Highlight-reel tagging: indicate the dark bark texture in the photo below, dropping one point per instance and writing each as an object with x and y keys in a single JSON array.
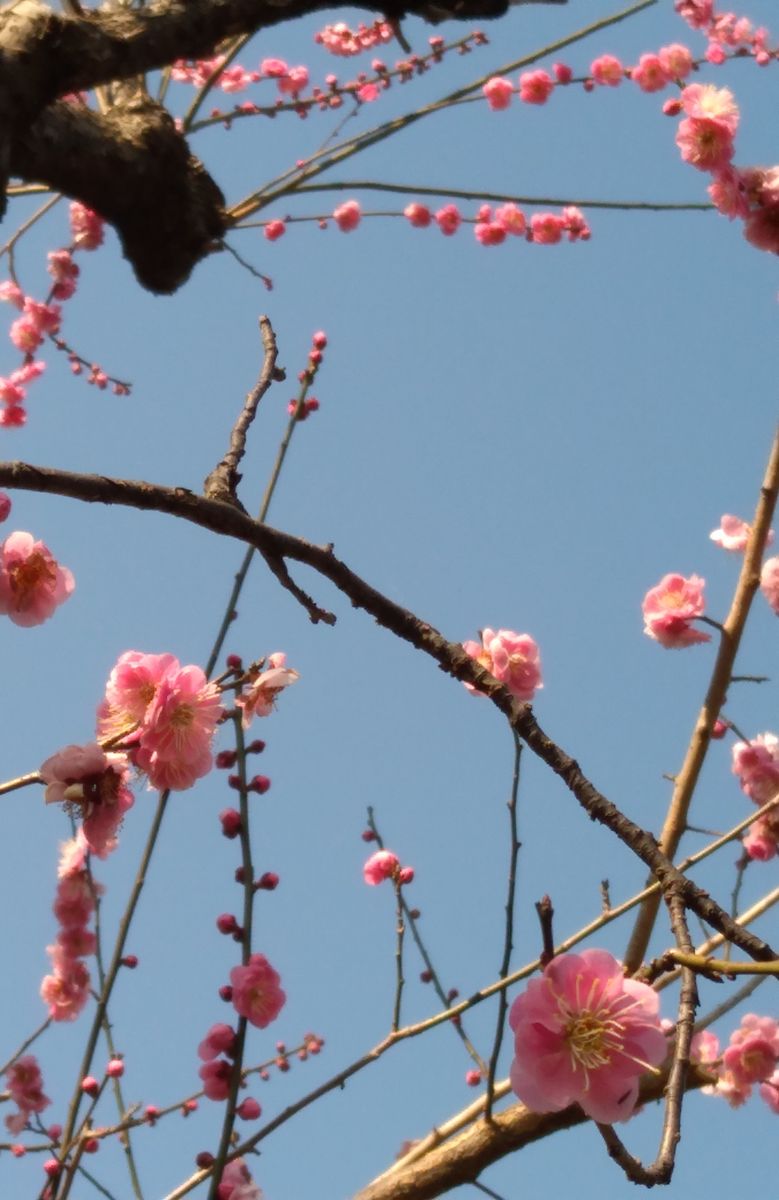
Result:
[{"x": 129, "y": 163}]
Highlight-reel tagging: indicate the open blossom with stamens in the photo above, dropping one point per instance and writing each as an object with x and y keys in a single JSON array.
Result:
[
  {"x": 175, "y": 741},
  {"x": 584, "y": 1034},
  {"x": 257, "y": 994},
  {"x": 32, "y": 582},
  {"x": 704, "y": 101},
  {"x": 669, "y": 608},
  {"x": 259, "y": 697},
  {"x": 380, "y": 866},
  {"x": 86, "y": 226},
  {"x": 607, "y": 70},
  {"x": 513, "y": 658}
]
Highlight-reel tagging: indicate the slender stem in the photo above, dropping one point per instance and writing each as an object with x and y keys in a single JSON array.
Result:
[
  {"x": 400, "y": 930},
  {"x": 508, "y": 940},
  {"x": 28, "y": 1041}
]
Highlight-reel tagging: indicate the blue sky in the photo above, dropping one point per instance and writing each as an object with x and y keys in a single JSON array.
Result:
[{"x": 522, "y": 437}]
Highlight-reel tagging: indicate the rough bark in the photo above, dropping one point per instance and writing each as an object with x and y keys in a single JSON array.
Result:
[{"x": 130, "y": 164}]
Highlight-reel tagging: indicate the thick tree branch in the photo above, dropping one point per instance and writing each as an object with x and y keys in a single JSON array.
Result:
[{"x": 273, "y": 544}]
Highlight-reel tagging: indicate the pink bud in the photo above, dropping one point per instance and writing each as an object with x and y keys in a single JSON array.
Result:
[
  {"x": 248, "y": 1109},
  {"x": 719, "y": 729},
  {"x": 130, "y": 961},
  {"x": 406, "y": 875},
  {"x": 115, "y": 1068},
  {"x": 473, "y": 1078},
  {"x": 52, "y": 1168},
  {"x": 269, "y": 881},
  {"x": 226, "y": 923},
  {"x": 368, "y": 835},
  {"x": 319, "y": 340},
  {"x": 234, "y": 662},
  {"x": 187, "y": 1107},
  {"x": 225, "y": 760},
  {"x": 205, "y": 1159},
  {"x": 562, "y": 72},
  {"x": 230, "y": 820},
  {"x": 226, "y": 993},
  {"x": 425, "y": 976},
  {"x": 259, "y": 784},
  {"x": 91, "y": 1146},
  {"x": 255, "y": 747},
  {"x": 89, "y": 1085},
  {"x": 151, "y": 1113}
]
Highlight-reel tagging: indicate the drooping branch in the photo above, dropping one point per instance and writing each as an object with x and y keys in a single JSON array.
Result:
[{"x": 276, "y": 545}]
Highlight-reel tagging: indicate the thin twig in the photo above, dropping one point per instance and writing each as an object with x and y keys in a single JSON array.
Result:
[
  {"x": 400, "y": 930},
  {"x": 508, "y": 939},
  {"x": 222, "y": 482}
]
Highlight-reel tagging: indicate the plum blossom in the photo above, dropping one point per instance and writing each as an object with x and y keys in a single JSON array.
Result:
[
  {"x": 257, "y": 994},
  {"x": 669, "y": 608},
  {"x": 498, "y": 92},
  {"x": 752, "y": 1054},
  {"x": 607, "y": 70},
  {"x": 347, "y": 216},
  {"x": 260, "y": 696},
  {"x": 418, "y": 215},
  {"x": 175, "y": 739},
  {"x": 220, "y": 1039},
  {"x": 733, "y": 533},
  {"x": 86, "y": 226},
  {"x": 95, "y": 783},
  {"x": 236, "y": 1183},
  {"x": 547, "y": 228},
  {"x": 649, "y": 73},
  {"x": 448, "y": 219},
  {"x": 704, "y": 101},
  {"x": 535, "y": 87},
  {"x": 32, "y": 582},
  {"x": 756, "y": 763},
  {"x": 769, "y": 582},
  {"x": 584, "y": 1034},
  {"x": 25, "y": 1084},
  {"x": 293, "y": 82},
  {"x": 216, "y": 1075},
  {"x": 676, "y": 60},
  {"x": 761, "y": 841},
  {"x": 705, "y": 144},
  {"x": 513, "y": 658},
  {"x": 380, "y": 866}
]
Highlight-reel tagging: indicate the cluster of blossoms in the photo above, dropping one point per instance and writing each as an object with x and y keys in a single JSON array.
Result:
[
  {"x": 289, "y": 80},
  {"x": 584, "y": 1034},
  {"x": 344, "y": 42},
  {"x": 25, "y": 1084},
  {"x": 165, "y": 716},
  {"x": 32, "y": 582},
  {"x": 706, "y": 140},
  {"x": 386, "y": 865},
  {"x": 751, "y": 1057},
  {"x": 512, "y": 658},
  {"x": 66, "y": 989},
  {"x": 725, "y": 31},
  {"x": 216, "y": 1072},
  {"x": 41, "y": 319},
  {"x": 756, "y": 764},
  {"x": 491, "y": 226}
]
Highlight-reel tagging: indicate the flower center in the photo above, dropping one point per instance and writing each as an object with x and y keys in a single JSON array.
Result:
[
  {"x": 592, "y": 1040},
  {"x": 27, "y": 576}
]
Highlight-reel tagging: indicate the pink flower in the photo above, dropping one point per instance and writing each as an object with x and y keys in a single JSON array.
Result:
[
  {"x": 511, "y": 218},
  {"x": 220, "y": 1039},
  {"x": 704, "y": 101},
  {"x": 66, "y": 991},
  {"x": 697, "y": 13},
  {"x": 607, "y": 70},
  {"x": 676, "y": 61},
  {"x": 669, "y": 608},
  {"x": 704, "y": 1047},
  {"x": 347, "y": 216},
  {"x": 64, "y": 272},
  {"x": 273, "y": 68},
  {"x": 85, "y": 778},
  {"x": 761, "y": 841},
  {"x": 761, "y": 229},
  {"x": 380, "y": 866},
  {"x": 418, "y": 215},
  {"x": 236, "y": 1183},
  {"x": 25, "y": 1083},
  {"x": 769, "y": 1091},
  {"x": 753, "y": 1050},
  {"x": 259, "y": 698},
  {"x": 448, "y": 219},
  {"x": 216, "y": 1076},
  {"x": 649, "y": 73},
  {"x": 535, "y": 87},
  {"x": 705, "y": 144},
  {"x": 575, "y": 225},
  {"x": 489, "y": 233},
  {"x": 498, "y": 92},
  {"x": 769, "y": 582},
  {"x": 295, "y": 80},
  {"x": 86, "y": 227},
  {"x": 585, "y": 1034},
  {"x": 728, "y": 192},
  {"x": 11, "y": 293},
  {"x": 178, "y": 727},
  {"x": 131, "y": 687},
  {"x": 513, "y": 658},
  {"x": 32, "y": 582},
  {"x": 256, "y": 991},
  {"x": 756, "y": 763},
  {"x": 547, "y": 228},
  {"x": 733, "y": 533}
]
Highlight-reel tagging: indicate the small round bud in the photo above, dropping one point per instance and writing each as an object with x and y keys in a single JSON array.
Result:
[
  {"x": 226, "y": 993},
  {"x": 91, "y": 1146},
  {"x": 319, "y": 340},
  {"x": 89, "y": 1085},
  {"x": 226, "y": 760},
  {"x": 115, "y": 1068},
  {"x": 130, "y": 961},
  {"x": 406, "y": 875},
  {"x": 230, "y": 820},
  {"x": 234, "y": 662},
  {"x": 248, "y": 1109},
  {"x": 267, "y": 882},
  {"x": 151, "y": 1113},
  {"x": 473, "y": 1078},
  {"x": 205, "y": 1159},
  {"x": 426, "y": 976},
  {"x": 255, "y": 747},
  {"x": 188, "y": 1107},
  {"x": 226, "y": 923},
  {"x": 260, "y": 784},
  {"x": 368, "y": 835},
  {"x": 52, "y": 1167}
]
